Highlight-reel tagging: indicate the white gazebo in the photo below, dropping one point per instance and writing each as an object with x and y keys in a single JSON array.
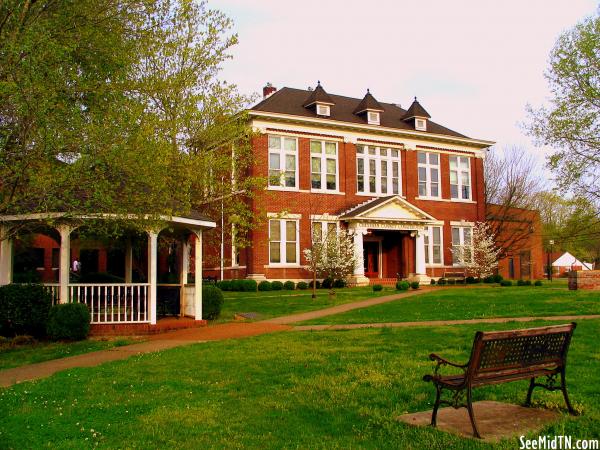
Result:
[{"x": 114, "y": 303}]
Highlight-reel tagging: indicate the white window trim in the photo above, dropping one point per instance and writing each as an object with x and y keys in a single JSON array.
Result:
[
  {"x": 283, "y": 242},
  {"x": 429, "y": 230},
  {"x": 366, "y": 157},
  {"x": 324, "y": 223},
  {"x": 421, "y": 124},
  {"x": 282, "y": 153},
  {"x": 428, "y": 166},
  {"x": 234, "y": 261},
  {"x": 459, "y": 171},
  {"x": 461, "y": 238},
  {"x": 375, "y": 119},
  {"x": 323, "y": 110},
  {"x": 324, "y": 157}
]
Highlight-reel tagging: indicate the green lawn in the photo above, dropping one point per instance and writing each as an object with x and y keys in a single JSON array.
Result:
[
  {"x": 477, "y": 302},
  {"x": 44, "y": 351},
  {"x": 285, "y": 390},
  {"x": 281, "y": 303}
]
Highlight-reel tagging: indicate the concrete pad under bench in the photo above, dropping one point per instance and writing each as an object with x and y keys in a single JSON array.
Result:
[{"x": 495, "y": 420}]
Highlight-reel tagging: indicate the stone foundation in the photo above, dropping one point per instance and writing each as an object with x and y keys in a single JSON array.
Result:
[{"x": 584, "y": 279}]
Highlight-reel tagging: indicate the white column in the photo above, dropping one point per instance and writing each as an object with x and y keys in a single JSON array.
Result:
[
  {"x": 185, "y": 263},
  {"x": 420, "y": 253},
  {"x": 152, "y": 274},
  {"x": 198, "y": 275},
  {"x": 128, "y": 261},
  {"x": 65, "y": 262},
  {"x": 359, "y": 269},
  {"x": 6, "y": 256}
]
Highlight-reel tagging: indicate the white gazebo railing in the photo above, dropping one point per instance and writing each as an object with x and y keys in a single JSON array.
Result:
[
  {"x": 54, "y": 290},
  {"x": 113, "y": 303}
]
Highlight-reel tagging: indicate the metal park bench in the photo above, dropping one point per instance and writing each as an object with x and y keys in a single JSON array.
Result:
[
  {"x": 503, "y": 356},
  {"x": 454, "y": 275}
]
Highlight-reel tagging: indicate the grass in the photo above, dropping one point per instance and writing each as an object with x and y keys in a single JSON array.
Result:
[
  {"x": 280, "y": 303},
  {"x": 471, "y": 303},
  {"x": 285, "y": 390},
  {"x": 45, "y": 351}
]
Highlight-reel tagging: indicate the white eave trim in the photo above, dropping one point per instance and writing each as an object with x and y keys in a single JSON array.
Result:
[{"x": 378, "y": 129}]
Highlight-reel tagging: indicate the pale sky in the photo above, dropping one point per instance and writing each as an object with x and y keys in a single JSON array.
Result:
[{"x": 474, "y": 65}]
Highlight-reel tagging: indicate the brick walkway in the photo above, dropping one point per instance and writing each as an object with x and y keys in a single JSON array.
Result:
[{"x": 438, "y": 323}]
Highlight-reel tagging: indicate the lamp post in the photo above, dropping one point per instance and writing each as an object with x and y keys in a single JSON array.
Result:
[{"x": 551, "y": 242}]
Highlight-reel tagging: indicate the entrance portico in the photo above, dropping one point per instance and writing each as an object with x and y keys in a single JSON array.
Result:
[{"x": 389, "y": 239}]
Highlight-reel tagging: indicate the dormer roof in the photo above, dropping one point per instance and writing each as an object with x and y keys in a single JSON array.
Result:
[
  {"x": 368, "y": 103},
  {"x": 416, "y": 110},
  {"x": 318, "y": 96}
]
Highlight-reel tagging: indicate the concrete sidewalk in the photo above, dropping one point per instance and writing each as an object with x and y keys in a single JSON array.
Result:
[
  {"x": 347, "y": 307},
  {"x": 438, "y": 323},
  {"x": 155, "y": 343}
]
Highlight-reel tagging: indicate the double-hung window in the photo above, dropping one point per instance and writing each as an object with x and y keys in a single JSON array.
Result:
[
  {"x": 429, "y": 174},
  {"x": 283, "y": 241},
  {"x": 377, "y": 170},
  {"x": 323, "y": 165},
  {"x": 462, "y": 247},
  {"x": 283, "y": 162},
  {"x": 460, "y": 178},
  {"x": 322, "y": 229},
  {"x": 433, "y": 245}
]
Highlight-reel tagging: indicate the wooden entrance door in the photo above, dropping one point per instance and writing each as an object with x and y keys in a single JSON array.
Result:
[{"x": 371, "y": 259}]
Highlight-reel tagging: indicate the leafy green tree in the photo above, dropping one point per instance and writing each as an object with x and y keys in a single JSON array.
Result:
[
  {"x": 117, "y": 106},
  {"x": 571, "y": 122}
]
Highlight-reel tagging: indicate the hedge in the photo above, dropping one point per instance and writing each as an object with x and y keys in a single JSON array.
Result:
[
  {"x": 265, "y": 286},
  {"x": 212, "y": 302},
  {"x": 402, "y": 285},
  {"x": 24, "y": 309},
  {"x": 506, "y": 283},
  {"x": 442, "y": 281},
  {"x": 277, "y": 285},
  {"x": 289, "y": 285},
  {"x": 377, "y": 287},
  {"x": 318, "y": 284},
  {"x": 414, "y": 285},
  {"x": 327, "y": 283},
  {"x": 69, "y": 321},
  {"x": 302, "y": 285}
]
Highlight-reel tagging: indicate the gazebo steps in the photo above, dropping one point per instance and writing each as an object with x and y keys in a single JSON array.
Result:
[{"x": 135, "y": 329}]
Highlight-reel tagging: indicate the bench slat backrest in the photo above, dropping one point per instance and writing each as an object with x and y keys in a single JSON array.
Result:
[{"x": 517, "y": 351}]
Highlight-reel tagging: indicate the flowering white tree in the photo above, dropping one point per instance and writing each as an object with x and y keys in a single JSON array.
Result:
[
  {"x": 332, "y": 256},
  {"x": 479, "y": 255}
]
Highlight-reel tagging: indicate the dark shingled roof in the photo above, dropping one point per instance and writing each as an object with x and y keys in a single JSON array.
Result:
[
  {"x": 416, "y": 110},
  {"x": 368, "y": 102},
  {"x": 318, "y": 95},
  {"x": 291, "y": 101}
]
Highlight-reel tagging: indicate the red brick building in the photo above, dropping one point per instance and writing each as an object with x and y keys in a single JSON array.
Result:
[{"x": 409, "y": 188}]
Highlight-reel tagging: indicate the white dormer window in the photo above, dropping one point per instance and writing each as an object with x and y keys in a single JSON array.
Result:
[
  {"x": 323, "y": 110},
  {"x": 373, "y": 118},
  {"x": 421, "y": 124}
]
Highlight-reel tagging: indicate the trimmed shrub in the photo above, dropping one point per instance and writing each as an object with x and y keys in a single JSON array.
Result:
[
  {"x": 489, "y": 279},
  {"x": 506, "y": 283},
  {"x": 277, "y": 285},
  {"x": 432, "y": 282},
  {"x": 538, "y": 283},
  {"x": 237, "y": 285},
  {"x": 22, "y": 339},
  {"x": 212, "y": 302},
  {"x": 249, "y": 285},
  {"x": 24, "y": 309},
  {"x": 69, "y": 321},
  {"x": 498, "y": 278},
  {"x": 471, "y": 280},
  {"x": 402, "y": 285},
  {"x": 451, "y": 281},
  {"x": 318, "y": 283},
  {"x": 414, "y": 285},
  {"x": 265, "y": 286},
  {"x": 224, "y": 285},
  {"x": 327, "y": 283},
  {"x": 377, "y": 288},
  {"x": 338, "y": 284},
  {"x": 289, "y": 285},
  {"x": 302, "y": 285},
  {"x": 442, "y": 281},
  {"x": 520, "y": 282},
  {"x": 528, "y": 283}
]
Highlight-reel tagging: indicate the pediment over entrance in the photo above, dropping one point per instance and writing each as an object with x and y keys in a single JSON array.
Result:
[{"x": 390, "y": 209}]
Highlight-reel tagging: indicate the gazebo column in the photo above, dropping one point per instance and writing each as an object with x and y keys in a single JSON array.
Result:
[
  {"x": 128, "y": 261},
  {"x": 65, "y": 262},
  {"x": 183, "y": 279},
  {"x": 6, "y": 256},
  {"x": 359, "y": 278},
  {"x": 198, "y": 275},
  {"x": 152, "y": 274}
]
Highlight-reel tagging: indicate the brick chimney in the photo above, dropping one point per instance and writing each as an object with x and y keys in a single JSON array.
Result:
[{"x": 268, "y": 90}]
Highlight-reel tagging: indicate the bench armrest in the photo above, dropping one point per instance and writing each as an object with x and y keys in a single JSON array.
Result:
[{"x": 443, "y": 362}]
